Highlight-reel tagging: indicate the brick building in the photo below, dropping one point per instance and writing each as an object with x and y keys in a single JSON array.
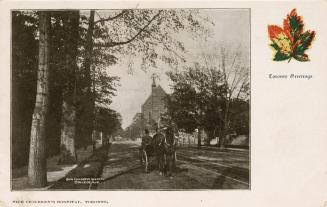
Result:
[{"x": 154, "y": 105}]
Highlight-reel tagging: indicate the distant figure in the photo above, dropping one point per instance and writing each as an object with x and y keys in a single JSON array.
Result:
[{"x": 147, "y": 139}]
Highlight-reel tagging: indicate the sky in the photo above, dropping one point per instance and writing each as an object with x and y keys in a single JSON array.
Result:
[{"x": 231, "y": 29}]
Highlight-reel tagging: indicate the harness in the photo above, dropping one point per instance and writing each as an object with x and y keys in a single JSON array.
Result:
[
  {"x": 163, "y": 144},
  {"x": 169, "y": 147}
]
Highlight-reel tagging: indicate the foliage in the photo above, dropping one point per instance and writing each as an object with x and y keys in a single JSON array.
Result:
[
  {"x": 212, "y": 95},
  {"x": 108, "y": 121},
  {"x": 196, "y": 100},
  {"x": 105, "y": 87},
  {"x": 134, "y": 130},
  {"x": 239, "y": 115},
  {"x": 147, "y": 34},
  {"x": 291, "y": 41},
  {"x": 24, "y": 76}
]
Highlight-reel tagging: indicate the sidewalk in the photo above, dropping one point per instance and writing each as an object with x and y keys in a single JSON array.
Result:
[
  {"x": 215, "y": 148},
  {"x": 55, "y": 172},
  {"x": 234, "y": 148},
  {"x": 86, "y": 175}
]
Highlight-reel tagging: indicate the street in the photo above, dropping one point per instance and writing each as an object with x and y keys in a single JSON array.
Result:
[{"x": 205, "y": 168}]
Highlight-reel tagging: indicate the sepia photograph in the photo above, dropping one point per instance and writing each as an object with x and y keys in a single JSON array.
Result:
[{"x": 131, "y": 99}]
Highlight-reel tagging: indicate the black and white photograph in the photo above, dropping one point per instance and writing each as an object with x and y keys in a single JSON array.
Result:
[{"x": 130, "y": 99}]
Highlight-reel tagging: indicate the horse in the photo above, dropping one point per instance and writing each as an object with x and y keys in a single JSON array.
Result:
[
  {"x": 170, "y": 150},
  {"x": 164, "y": 149},
  {"x": 159, "y": 151}
]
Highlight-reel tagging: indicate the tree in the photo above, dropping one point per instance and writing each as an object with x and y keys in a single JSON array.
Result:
[
  {"x": 134, "y": 130},
  {"x": 37, "y": 158},
  {"x": 25, "y": 60},
  {"x": 233, "y": 64},
  {"x": 89, "y": 97},
  {"x": 24, "y": 78},
  {"x": 96, "y": 85},
  {"x": 239, "y": 115},
  {"x": 68, "y": 122},
  {"x": 196, "y": 99},
  {"x": 69, "y": 95},
  {"x": 57, "y": 78},
  {"x": 108, "y": 121},
  {"x": 180, "y": 106},
  {"x": 132, "y": 32},
  {"x": 236, "y": 80}
]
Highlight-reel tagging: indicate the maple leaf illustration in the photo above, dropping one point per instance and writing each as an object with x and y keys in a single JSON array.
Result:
[{"x": 290, "y": 41}]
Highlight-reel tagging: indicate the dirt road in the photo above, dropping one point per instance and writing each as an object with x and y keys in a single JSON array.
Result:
[{"x": 196, "y": 169}]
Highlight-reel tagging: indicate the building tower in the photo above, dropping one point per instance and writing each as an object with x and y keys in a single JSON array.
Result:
[{"x": 154, "y": 105}]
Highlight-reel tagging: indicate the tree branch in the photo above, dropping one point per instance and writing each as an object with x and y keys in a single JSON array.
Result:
[
  {"x": 241, "y": 76},
  {"x": 163, "y": 43},
  {"x": 239, "y": 92},
  {"x": 111, "y": 18},
  {"x": 180, "y": 57},
  {"x": 113, "y": 44}
]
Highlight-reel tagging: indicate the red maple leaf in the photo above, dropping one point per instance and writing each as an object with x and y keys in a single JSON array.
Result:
[{"x": 290, "y": 41}]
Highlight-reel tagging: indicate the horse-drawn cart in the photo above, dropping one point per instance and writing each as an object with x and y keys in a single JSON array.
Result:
[{"x": 165, "y": 157}]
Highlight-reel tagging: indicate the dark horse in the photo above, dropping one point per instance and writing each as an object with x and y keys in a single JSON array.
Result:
[
  {"x": 164, "y": 149},
  {"x": 159, "y": 151},
  {"x": 170, "y": 150}
]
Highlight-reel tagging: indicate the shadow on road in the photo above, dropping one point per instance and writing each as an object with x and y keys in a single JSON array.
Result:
[
  {"x": 219, "y": 182},
  {"x": 180, "y": 170},
  {"x": 89, "y": 168},
  {"x": 224, "y": 180},
  {"x": 152, "y": 168},
  {"x": 121, "y": 173}
]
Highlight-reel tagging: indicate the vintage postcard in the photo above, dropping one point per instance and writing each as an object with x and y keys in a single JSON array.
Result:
[{"x": 163, "y": 103}]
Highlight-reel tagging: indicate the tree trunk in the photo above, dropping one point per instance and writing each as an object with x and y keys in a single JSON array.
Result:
[
  {"x": 89, "y": 96},
  {"x": 222, "y": 138},
  {"x": 67, "y": 144},
  {"x": 199, "y": 137},
  {"x": 104, "y": 139},
  {"x": 225, "y": 126},
  {"x": 67, "y": 141},
  {"x": 216, "y": 137},
  {"x": 37, "y": 172},
  {"x": 209, "y": 137},
  {"x": 189, "y": 139},
  {"x": 94, "y": 140}
]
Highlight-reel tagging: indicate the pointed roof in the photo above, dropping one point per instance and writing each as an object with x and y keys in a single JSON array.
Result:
[
  {"x": 156, "y": 91},
  {"x": 153, "y": 81}
]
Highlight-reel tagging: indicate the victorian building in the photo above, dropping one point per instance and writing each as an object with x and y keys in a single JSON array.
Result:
[{"x": 154, "y": 105}]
